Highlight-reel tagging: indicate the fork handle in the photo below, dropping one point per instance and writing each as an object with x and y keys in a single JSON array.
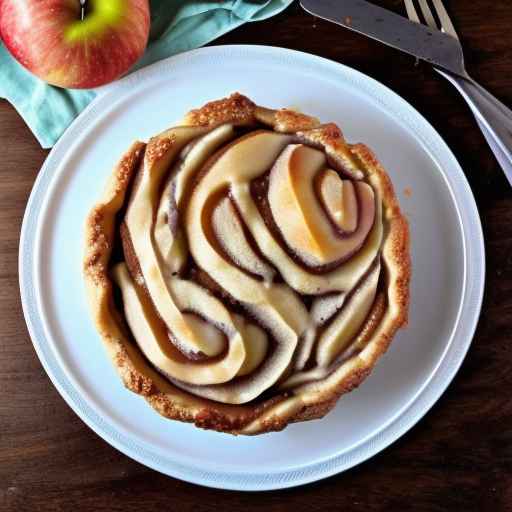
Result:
[
  {"x": 498, "y": 153},
  {"x": 493, "y": 117}
]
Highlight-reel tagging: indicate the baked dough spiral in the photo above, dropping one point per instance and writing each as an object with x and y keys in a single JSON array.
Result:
[{"x": 247, "y": 267}]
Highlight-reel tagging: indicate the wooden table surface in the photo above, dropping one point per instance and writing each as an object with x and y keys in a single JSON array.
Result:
[{"x": 459, "y": 457}]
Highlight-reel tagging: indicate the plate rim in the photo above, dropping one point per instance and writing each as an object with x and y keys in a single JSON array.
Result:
[{"x": 238, "y": 480}]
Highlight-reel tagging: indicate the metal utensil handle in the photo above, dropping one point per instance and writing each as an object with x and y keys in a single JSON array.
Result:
[
  {"x": 493, "y": 117},
  {"x": 500, "y": 156}
]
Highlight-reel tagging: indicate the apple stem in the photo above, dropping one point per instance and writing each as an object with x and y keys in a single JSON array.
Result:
[{"x": 82, "y": 9}]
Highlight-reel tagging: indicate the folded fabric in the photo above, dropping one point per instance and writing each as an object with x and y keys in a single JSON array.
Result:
[{"x": 176, "y": 26}]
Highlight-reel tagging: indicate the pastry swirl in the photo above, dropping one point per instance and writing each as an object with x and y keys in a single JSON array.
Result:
[{"x": 247, "y": 267}]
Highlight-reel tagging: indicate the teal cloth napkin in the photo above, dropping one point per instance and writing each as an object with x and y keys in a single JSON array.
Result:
[{"x": 176, "y": 26}]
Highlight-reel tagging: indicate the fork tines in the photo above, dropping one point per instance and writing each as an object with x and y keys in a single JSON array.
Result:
[{"x": 445, "y": 24}]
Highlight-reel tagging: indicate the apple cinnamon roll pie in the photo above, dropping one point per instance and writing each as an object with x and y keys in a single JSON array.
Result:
[{"x": 247, "y": 267}]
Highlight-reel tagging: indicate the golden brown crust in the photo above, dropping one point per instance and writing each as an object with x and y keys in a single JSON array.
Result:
[
  {"x": 290, "y": 121},
  {"x": 99, "y": 226},
  {"x": 309, "y": 401},
  {"x": 326, "y": 135},
  {"x": 158, "y": 146},
  {"x": 330, "y": 138},
  {"x": 235, "y": 109}
]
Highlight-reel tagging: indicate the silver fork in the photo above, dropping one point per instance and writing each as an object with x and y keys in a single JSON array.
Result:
[{"x": 493, "y": 117}]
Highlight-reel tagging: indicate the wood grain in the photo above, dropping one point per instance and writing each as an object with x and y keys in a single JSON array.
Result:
[{"x": 459, "y": 457}]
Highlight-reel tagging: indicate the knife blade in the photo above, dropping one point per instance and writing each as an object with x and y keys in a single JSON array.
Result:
[{"x": 428, "y": 44}]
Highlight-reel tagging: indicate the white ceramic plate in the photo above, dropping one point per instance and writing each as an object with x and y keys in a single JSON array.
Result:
[{"x": 447, "y": 246}]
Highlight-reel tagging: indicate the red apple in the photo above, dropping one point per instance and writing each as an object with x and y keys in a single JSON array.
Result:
[{"x": 75, "y": 46}]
